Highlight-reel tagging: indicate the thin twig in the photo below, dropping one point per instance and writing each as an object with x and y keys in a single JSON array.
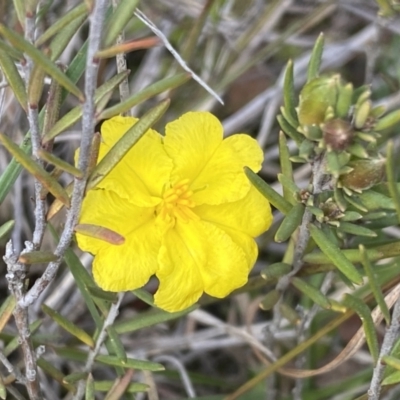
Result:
[
  {"x": 11, "y": 369},
  {"x": 112, "y": 315},
  {"x": 187, "y": 383},
  {"x": 40, "y": 205},
  {"x": 88, "y": 124},
  {"x": 391, "y": 335},
  {"x": 16, "y": 275},
  {"x": 121, "y": 65},
  {"x": 176, "y": 55}
]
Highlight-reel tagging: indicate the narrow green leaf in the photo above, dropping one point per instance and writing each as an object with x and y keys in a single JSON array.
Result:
[
  {"x": 121, "y": 16},
  {"x": 144, "y": 295},
  {"x": 129, "y": 139},
  {"x": 71, "y": 353},
  {"x": 358, "y": 150},
  {"x": 375, "y": 289},
  {"x": 6, "y": 228},
  {"x": 63, "y": 38},
  {"x": 289, "y": 313},
  {"x": 354, "y": 256},
  {"x": 388, "y": 121},
  {"x": 339, "y": 199},
  {"x": 75, "y": 377},
  {"x": 55, "y": 373},
  {"x": 105, "y": 386},
  {"x": 391, "y": 178},
  {"x": 19, "y": 7},
  {"x": 289, "y": 95},
  {"x": 317, "y": 212},
  {"x": 101, "y": 233},
  {"x": 276, "y": 270},
  {"x": 333, "y": 165},
  {"x": 6, "y": 310},
  {"x": 356, "y": 230},
  {"x": 344, "y": 100},
  {"x": 10, "y": 51},
  {"x": 151, "y": 91},
  {"x": 335, "y": 255},
  {"x": 270, "y": 299},
  {"x": 14, "y": 79},
  {"x": 89, "y": 392},
  {"x": 52, "y": 107},
  {"x": 290, "y": 223},
  {"x": 41, "y": 60},
  {"x": 68, "y": 326},
  {"x": 307, "y": 146},
  {"x": 378, "y": 215},
  {"x": 374, "y": 201},
  {"x": 392, "y": 361},
  {"x": 36, "y": 170},
  {"x": 35, "y": 86},
  {"x": 102, "y": 294},
  {"x": 149, "y": 318},
  {"x": 76, "y": 113},
  {"x": 273, "y": 197},
  {"x": 61, "y": 23},
  {"x": 290, "y": 187},
  {"x": 286, "y": 164},
  {"x": 293, "y": 122},
  {"x": 315, "y": 59},
  {"x": 289, "y": 130},
  {"x": 130, "y": 363},
  {"x": 356, "y": 202},
  {"x": 312, "y": 292},
  {"x": 61, "y": 164},
  {"x": 392, "y": 379},
  {"x": 115, "y": 343},
  {"x": 37, "y": 257},
  {"x": 364, "y": 313},
  {"x": 351, "y": 216}
]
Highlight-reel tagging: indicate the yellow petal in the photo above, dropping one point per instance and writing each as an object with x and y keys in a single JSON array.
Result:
[
  {"x": 142, "y": 174},
  {"x": 191, "y": 141},
  {"x": 129, "y": 266},
  {"x": 182, "y": 255},
  {"x": 213, "y": 166},
  {"x": 251, "y": 214},
  {"x": 227, "y": 265},
  {"x": 246, "y": 243},
  {"x": 105, "y": 208}
]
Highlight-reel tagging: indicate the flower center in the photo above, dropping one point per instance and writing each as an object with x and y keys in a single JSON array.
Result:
[{"x": 177, "y": 203}]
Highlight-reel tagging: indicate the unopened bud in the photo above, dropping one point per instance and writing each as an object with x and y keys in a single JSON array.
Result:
[
  {"x": 316, "y": 97},
  {"x": 365, "y": 174},
  {"x": 338, "y": 134}
]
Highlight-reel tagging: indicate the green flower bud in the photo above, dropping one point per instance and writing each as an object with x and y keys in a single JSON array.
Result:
[
  {"x": 365, "y": 174},
  {"x": 331, "y": 210},
  {"x": 338, "y": 134},
  {"x": 316, "y": 97}
]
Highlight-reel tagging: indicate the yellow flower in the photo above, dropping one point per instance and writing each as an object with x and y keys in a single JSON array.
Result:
[{"x": 186, "y": 210}]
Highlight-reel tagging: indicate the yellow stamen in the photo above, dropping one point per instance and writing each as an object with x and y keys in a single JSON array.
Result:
[{"x": 177, "y": 203}]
